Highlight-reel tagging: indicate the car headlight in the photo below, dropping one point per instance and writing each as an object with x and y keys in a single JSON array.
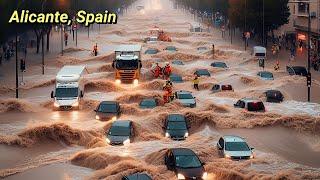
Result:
[
  {"x": 114, "y": 118},
  {"x": 186, "y": 134},
  {"x": 108, "y": 141},
  {"x": 97, "y": 117},
  {"x": 56, "y": 104},
  {"x": 118, "y": 81},
  {"x": 135, "y": 82},
  {"x": 76, "y": 104},
  {"x": 205, "y": 175},
  {"x": 227, "y": 156},
  {"x": 126, "y": 142},
  {"x": 180, "y": 176},
  {"x": 251, "y": 157},
  {"x": 167, "y": 135}
]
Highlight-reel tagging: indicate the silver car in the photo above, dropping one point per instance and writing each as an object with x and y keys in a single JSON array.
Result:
[
  {"x": 234, "y": 147},
  {"x": 186, "y": 98}
]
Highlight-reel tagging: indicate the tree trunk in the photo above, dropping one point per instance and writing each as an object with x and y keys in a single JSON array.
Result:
[
  {"x": 38, "y": 44},
  {"x": 48, "y": 37}
]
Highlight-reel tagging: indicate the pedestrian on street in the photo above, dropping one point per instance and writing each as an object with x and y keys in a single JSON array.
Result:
[
  {"x": 277, "y": 66},
  {"x": 196, "y": 82},
  {"x": 66, "y": 38}
]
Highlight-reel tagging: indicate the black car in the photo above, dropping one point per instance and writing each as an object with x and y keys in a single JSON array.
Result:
[
  {"x": 120, "y": 133},
  {"x": 107, "y": 110},
  {"x": 176, "y": 127},
  {"x": 202, "y": 72},
  {"x": 148, "y": 104},
  {"x": 176, "y": 78},
  {"x": 137, "y": 176},
  {"x": 274, "y": 96},
  {"x": 185, "y": 163},
  {"x": 297, "y": 70},
  {"x": 219, "y": 65}
]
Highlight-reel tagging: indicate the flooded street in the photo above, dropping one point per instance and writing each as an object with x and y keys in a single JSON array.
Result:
[{"x": 38, "y": 142}]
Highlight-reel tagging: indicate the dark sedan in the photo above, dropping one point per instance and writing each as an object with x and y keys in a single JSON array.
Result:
[
  {"x": 202, "y": 72},
  {"x": 176, "y": 127},
  {"x": 185, "y": 163},
  {"x": 274, "y": 96},
  {"x": 120, "y": 133},
  {"x": 107, "y": 110}
]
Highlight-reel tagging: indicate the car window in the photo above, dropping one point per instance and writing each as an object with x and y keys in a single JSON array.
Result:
[
  {"x": 187, "y": 161},
  {"x": 185, "y": 96},
  {"x": 255, "y": 106},
  {"x": 119, "y": 131},
  {"x": 237, "y": 146},
  {"x": 290, "y": 71},
  {"x": 266, "y": 74},
  {"x": 107, "y": 108},
  {"x": 242, "y": 104},
  {"x": 226, "y": 87},
  {"x": 176, "y": 125},
  {"x": 148, "y": 103}
]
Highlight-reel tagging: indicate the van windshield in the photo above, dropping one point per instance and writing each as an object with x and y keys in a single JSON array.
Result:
[{"x": 66, "y": 92}]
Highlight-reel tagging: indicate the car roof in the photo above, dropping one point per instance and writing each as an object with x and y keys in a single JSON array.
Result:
[
  {"x": 232, "y": 138},
  {"x": 183, "y": 92},
  {"x": 182, "y": 152},
  {"x": 218, "y": 62},
  {"x": 176, "y": 117},
  {"x": 138, "y": 176},
  {"x": 149, "y": 99},
  {"x": 273, "y": 91},
  {"x": 250, "y": 99},
  {"x": 265, "y": 72},
  {"x": 122, "y": 123},
  {"x": 109, "y": 102}
]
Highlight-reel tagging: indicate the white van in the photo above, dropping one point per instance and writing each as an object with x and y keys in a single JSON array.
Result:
[
  {"x": 259, "y": 52},
  {"x": 69, "y": 87}
]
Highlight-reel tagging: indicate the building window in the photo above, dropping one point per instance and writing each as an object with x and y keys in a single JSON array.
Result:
[{"x": 302, "y": 7}]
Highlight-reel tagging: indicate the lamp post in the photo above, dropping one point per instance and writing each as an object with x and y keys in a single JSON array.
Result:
[{"x": 42, "y": 44}]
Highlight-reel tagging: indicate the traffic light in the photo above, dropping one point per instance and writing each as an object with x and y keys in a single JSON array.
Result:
[
  {"x": 309, "y": 79},
  {"x": 22, "y": 65}
]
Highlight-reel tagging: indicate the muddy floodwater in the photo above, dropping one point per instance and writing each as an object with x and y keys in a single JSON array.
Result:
[{"x": 37, "y": 142}]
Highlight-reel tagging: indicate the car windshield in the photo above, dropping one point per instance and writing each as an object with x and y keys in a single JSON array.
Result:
[
  {"x": 175, "y": 78},
  {"x": 255, "y": 106},
  {"x": 66, "y": 92},
  {"x": 171, "y": 48},
  {"x": 185, "y": 96},
  {"x": 107, "y": 108},
  {"x": 202, "y": 48},
  {"x": 151, "y": 51},
  {"x": 127, "y": 64},
  {"x": 187, "y": 161},
  {"x": 219, "y": 64},
  {"x": 119, "y": 131},
  {"x": 203, "y": 72},
  {"x": 148, "y": 103},
  {"x": 300, "y": 71},
  {"x": 266, "y": 74},
  {"x": 237, "y": 146},
  {"x": 177, "y": 62},
  {"x": 177, "y": 125},
  {"x": 274, "y": 94}
]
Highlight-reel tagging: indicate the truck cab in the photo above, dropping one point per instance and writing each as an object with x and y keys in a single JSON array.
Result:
[
  {"x": 127, "y": 64},
  {"x": 68, "y": 88}
]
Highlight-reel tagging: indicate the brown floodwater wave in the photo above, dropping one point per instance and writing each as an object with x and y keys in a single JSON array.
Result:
[
  {"x": 102, "y": 85},
  {"x": 16, "y": 105}
]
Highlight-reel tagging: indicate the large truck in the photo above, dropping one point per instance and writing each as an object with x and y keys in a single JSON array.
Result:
[
  {"x": 127, "y": 64},
  {"x": 69, "y": 87}
]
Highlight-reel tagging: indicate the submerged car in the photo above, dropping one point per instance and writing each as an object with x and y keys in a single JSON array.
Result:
[
  {"x": 120, "y": 133},
  {"x": 176, "y": 127},
  {"x": 297, "y": 70},
  {"x": 171, "y": 48},
  {"x": 185, "y": 164},
  {"x": 219, "y": 65},
  {"x": 274, "y": 96},
  {"x": 250, "y": 104},
  {"x": 137, "y": 176},
  {"x": 152, "y": 39},
  {"x": 177, "y": 62},
  {"x": 202, "y": 72},
  {"x": 107, "y": 110},
  {"x": 186, "y": 98},
  {"x": 219, "y": 88},
  {"x": 151, "y": 51},
  {"x": 148, "y": 104},
  {"x": 234, "y": 147},
  {"x": 176, "y": 78},
  {"x": 265, "y": 75},
  {"x": 202, "y": 48}
]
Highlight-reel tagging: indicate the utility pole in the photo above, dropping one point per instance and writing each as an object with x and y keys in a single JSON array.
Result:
[
  {"x": 309, "y": 46},
  {"x": 42, "y": 52},
  {"x": 263, "y": 31},
  {"x": 61, "y": 40},
  {"x": 17, "y": 64},
  {"x": 245, "y": 24}
]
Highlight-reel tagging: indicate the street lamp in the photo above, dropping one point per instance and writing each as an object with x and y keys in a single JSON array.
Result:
[{"x": 42, "y": 44}]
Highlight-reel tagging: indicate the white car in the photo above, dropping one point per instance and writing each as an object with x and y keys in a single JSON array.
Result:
[
  {"x": 234, "y": 147},
  {"x": 186, "y": 98}
]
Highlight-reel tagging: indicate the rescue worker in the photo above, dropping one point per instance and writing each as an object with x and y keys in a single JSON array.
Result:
[
  {"x": 167, "y": 86},
  {"x": 196, "y": 82},
  {"x": 167, "y": 70},
  {"x": 277, "y": 66},
  {"x": 157, "y": 71},
  {"x": 166, "y": 97},
  {"x": 95, "y": 49}
]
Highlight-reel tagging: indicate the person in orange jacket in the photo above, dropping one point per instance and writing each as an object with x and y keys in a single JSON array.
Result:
[
  {"x": 167, "y": 70},
  {"x": 157, "y": 70},
  {"x": 166, "y": 97}
]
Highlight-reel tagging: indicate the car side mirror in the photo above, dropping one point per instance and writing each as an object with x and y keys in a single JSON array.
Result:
[
  {"x": 252, "y": 148},
  {"x": 81, "y": 94},
  {"x": 52, "y": 94}
]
